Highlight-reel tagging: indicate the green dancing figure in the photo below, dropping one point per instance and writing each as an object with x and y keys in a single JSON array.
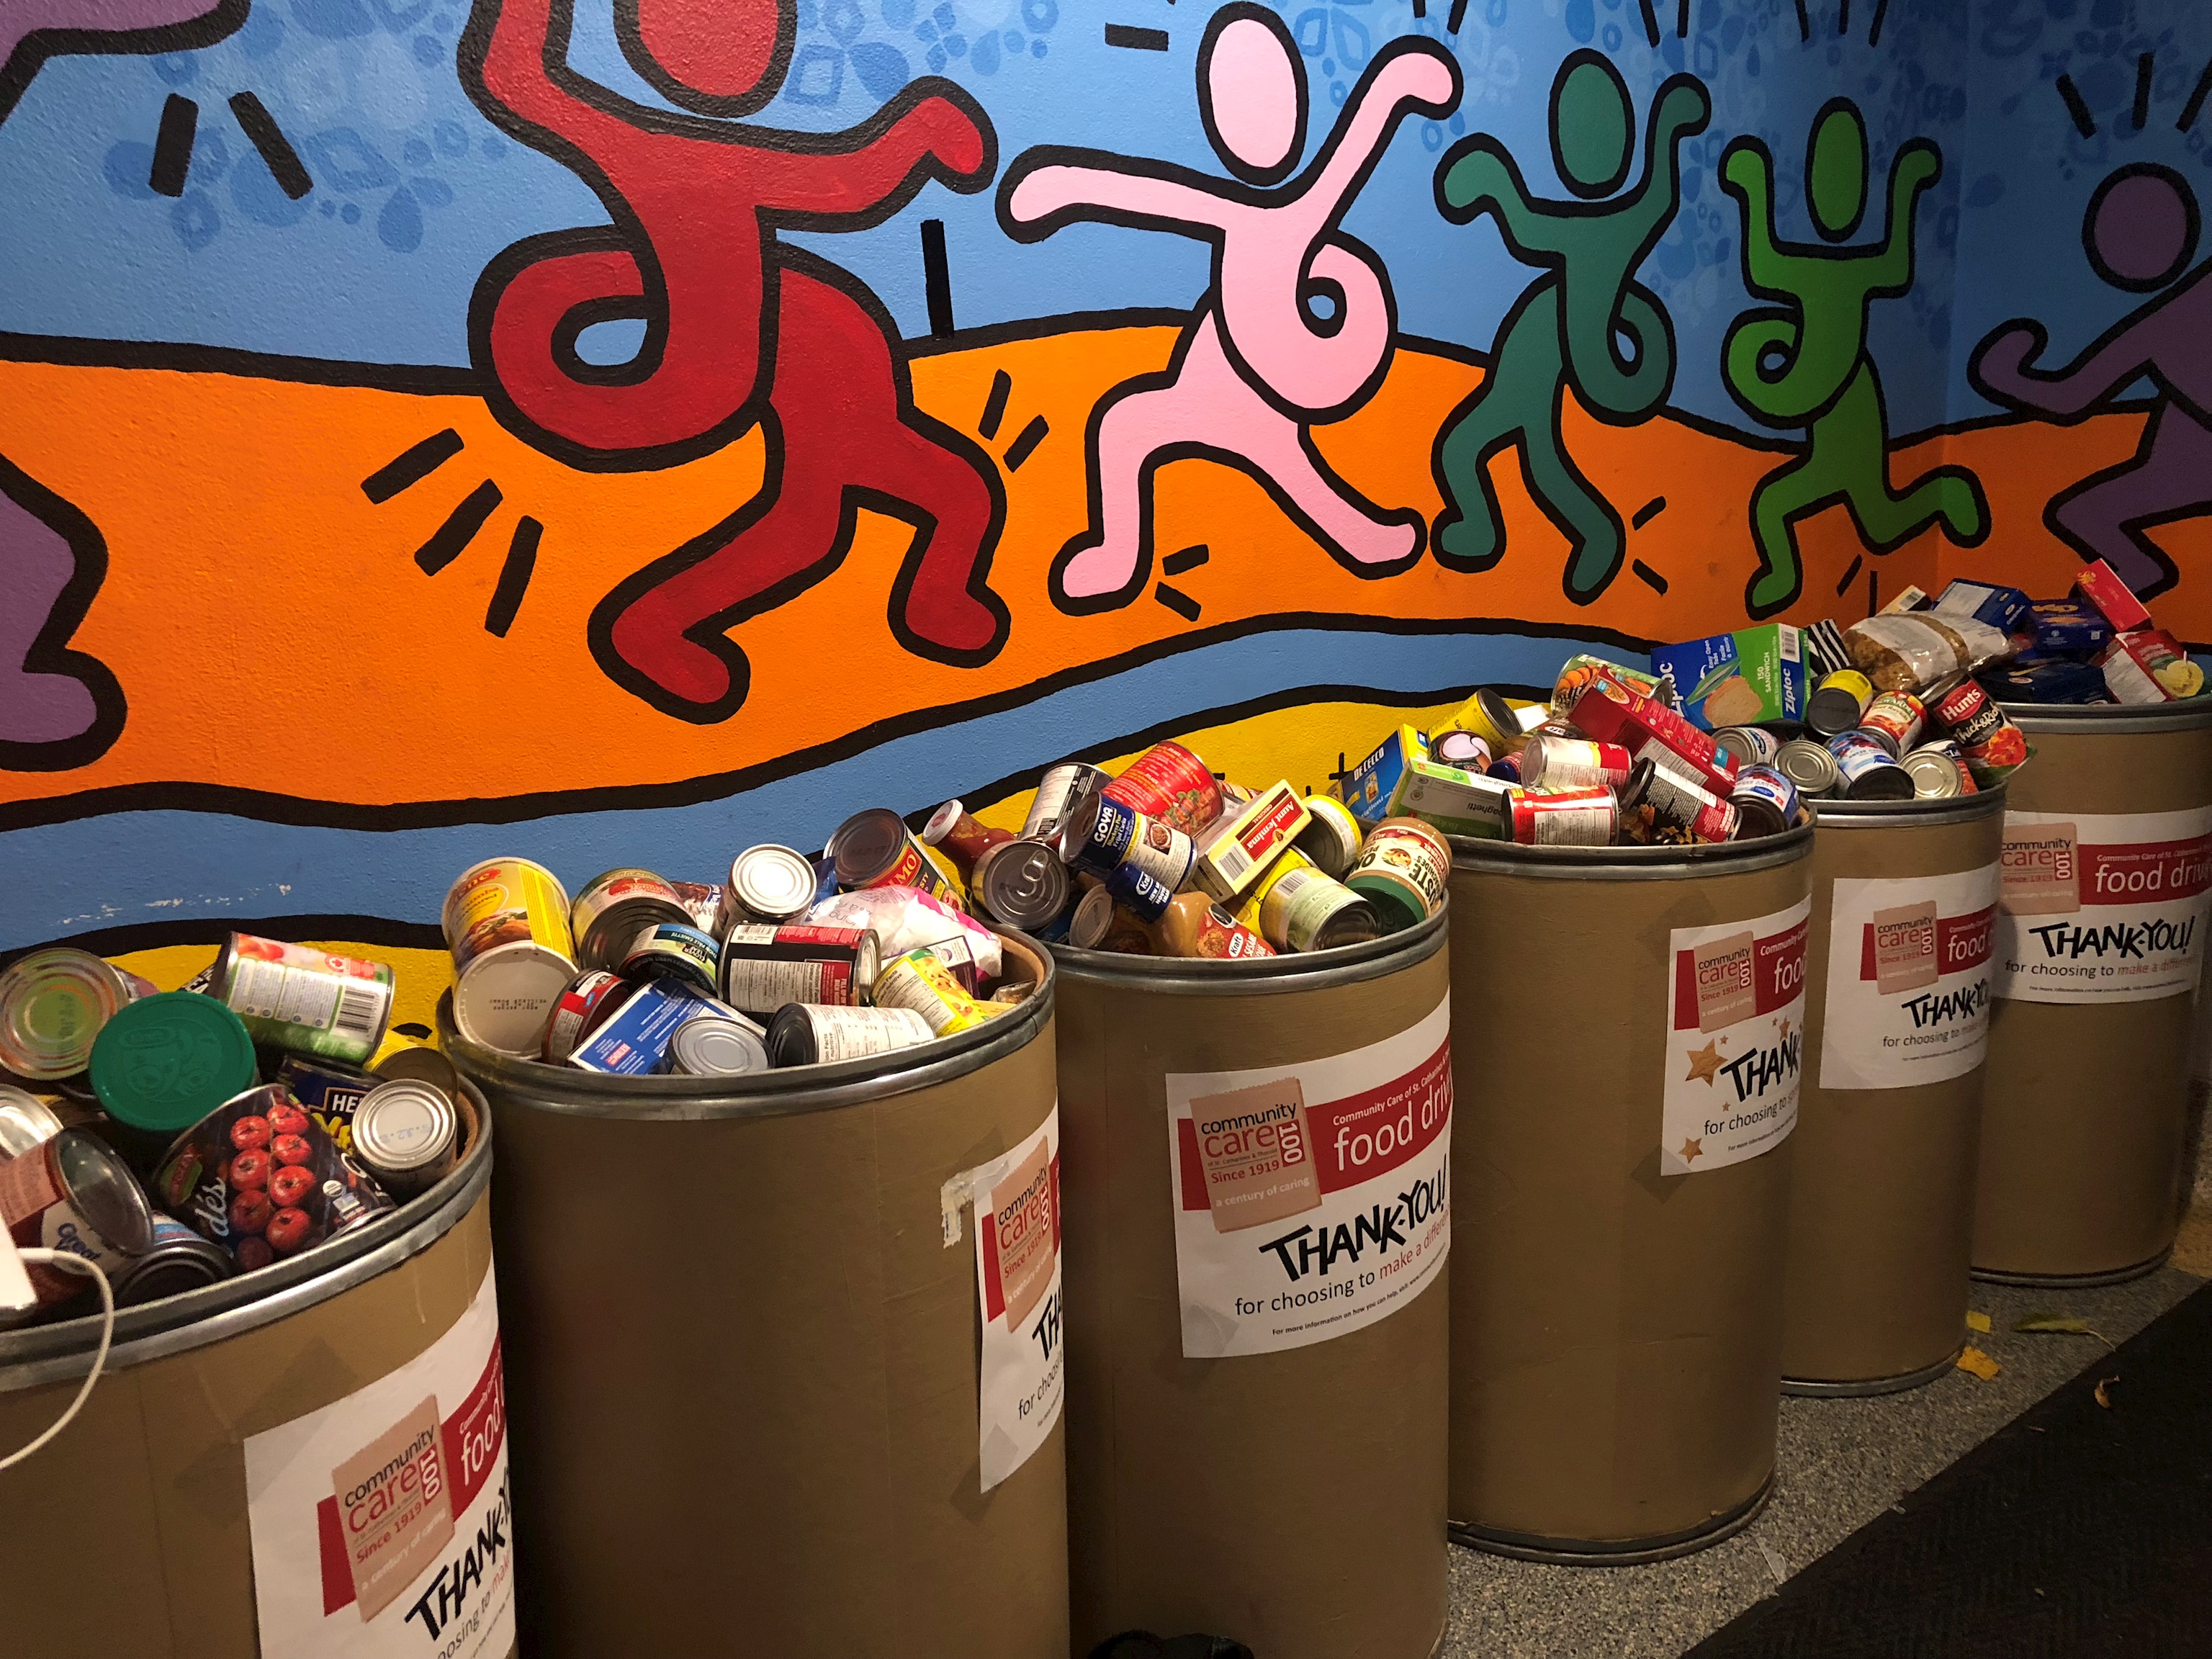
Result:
[
  {"x": 1567, "y": 329},
  {"x": 1804, "y": 362}
]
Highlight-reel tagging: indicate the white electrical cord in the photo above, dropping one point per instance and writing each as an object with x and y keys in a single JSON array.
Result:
[{"x": 65, "y": 1259}]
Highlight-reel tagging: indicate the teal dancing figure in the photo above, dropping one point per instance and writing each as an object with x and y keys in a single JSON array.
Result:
[
  {"x": 1803, "y": 361},
  {"x": 1568, "y": 329}
]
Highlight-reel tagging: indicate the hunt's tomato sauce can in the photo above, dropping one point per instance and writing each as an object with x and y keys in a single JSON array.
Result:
[{"x": 1170, "y": 784}]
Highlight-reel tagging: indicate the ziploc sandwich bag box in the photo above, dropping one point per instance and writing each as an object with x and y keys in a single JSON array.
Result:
[{"x": 1743, "y": 678}]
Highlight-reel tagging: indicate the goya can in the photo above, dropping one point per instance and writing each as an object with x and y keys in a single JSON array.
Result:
[
  {"x": 1143, "y": 895},
  {"x": 613, "y": 907},
  {"x": 1838, "y": 702},
  {"x": 768, "y": 882},
  {"x": 1550, "y": 761},
  {"x": 1808, "y": 766},
  {"x": 764, "y": 968},
  {"x": 918, "y": 980},
  {"x": 1022, "y": 883},
  {"x": 1894, "y": 720},
  {"x": 1059, "y": 792},
  {"x": 506, "y": 923},
  {"x": 258, "y": 1177},
  {"x": 578, "y": 1011},
  {"x": 1573, "y": 818},
  {"x": 1170, "y": 784},
  {"x": 874, "y": 849},
  {"x": 177, "y": 1261},
  {"x": 1767, "y": 803},
  {"x": 1866, "y": 770},
  {"x": 955, "y": 833},
  {"x": 1750, "y": 745},
  {"x": 53, "y": 1004},
  {"x": 1402, "y": 872},
  {"x": 1678, "y": 803},
  {"x": 72, "y": 1193},
  {"x": 1108, "y": 834},
  {"x": 674, "y": 950},
  {"x": 408, "y": 1136},
  {"x": 811, "y": 1034},
  {"x": 1331, "y": 836},
  {"x": 306, "y": 1000}
]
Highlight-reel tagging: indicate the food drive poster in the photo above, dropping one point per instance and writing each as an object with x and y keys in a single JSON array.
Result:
[
  {"x": 1735, "y": 1040},
  {"x": 1908, "y": 997},
  {"x": 1310, "y": 1199},
  {"x": 2103, "y": 907},
  {"x": 383, "y": 1524}
]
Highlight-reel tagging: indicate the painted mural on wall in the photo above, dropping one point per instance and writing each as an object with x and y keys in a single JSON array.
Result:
[{"x": 415, "y": 416}]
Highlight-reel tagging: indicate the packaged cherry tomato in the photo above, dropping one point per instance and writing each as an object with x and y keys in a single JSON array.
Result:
[{"x": 260, "y": 1177}]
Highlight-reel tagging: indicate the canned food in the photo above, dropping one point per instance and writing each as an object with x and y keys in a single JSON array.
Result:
[
  {"x": 506, "y": 923},
  {"x": 764, "y": 968},
  {"x": 166, "y": 1062},
  {"x": 407, "y": 1135},
  {"x": 1866, "y": 771},
  {"x": 711, "y": 1047},
  {"x": 53, "y": 1004},
  {"x": 632, "y": 1036},
  {"x": 1678, "y": 803},
  {"x": 1247, "y": 844},
  {"x": 333, "y": 1093},
  {"x": 874, "y": 849},
  {"x": 1952, "y": 752},
  {"x": 770, "y": 882},
  {"x": 177, "y": 1261},
  {"x": 1059, "y": 792},
  {"x": 1331, "y": 838},
  {"x": 919, "y": 981},
  {"x": 1022, "y": 883},
  {"x": 1573, "y": 818},
  {"x": 810, "y": 1034},
  {"x": 1991, "y": 745},
  {"x": 1464, "y": 750},
  {"x": 258, "y": 1177},
  {"x": 1192, "y": 926},
  {"x": 1838, "y": 702},
  {"x": 613, "y": 909},
  {"x": 1895, "y": 719},
  {"x": 960, "y": 837},
  {"x": 72, "y": 1193},
  {"x": 1105, "y": 833},
  {"x": 422, "y": 1061},
  {"x": 1506, "y": 769},
  {"x": 674, "y": 950},
  {"x": 1934, "y": 775},
  {"x": 1560, "y": 763},
  {"x": 1143, "y": 895},
  {"x": 1767, "y": 803},
  {"x": 1296, "y": 907},
  {"x": 1489, "y": 717},
  {"x": 1168, "y": 784},
  {"x": 295, "y": 997},
  {"x": 1099, "y": 924},
  {"x": 1750, "y": 745},
  {"x": 1403, "y": 871},
  {"x": 1808, "y": 766},
  {"x": 703, "y": 902},
  {"x": 576, "y": 1014},
  {"x": 25, "y": 1122}
]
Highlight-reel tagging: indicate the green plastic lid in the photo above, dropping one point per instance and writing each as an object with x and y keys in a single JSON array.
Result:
[{"x": 166, "y": 1062}]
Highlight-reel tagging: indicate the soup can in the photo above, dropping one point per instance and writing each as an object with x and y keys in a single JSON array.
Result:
[
  {"x": 813, "y": 1034},
  {"x": 874, "y": 849},
  {"x": 53, "y": 1004},
  {"x": 506, "y": 921},
  {"x": 407, "y": 1135},
  {"x": 710, "y": 1046},
  {"x": 177, "y": 1261},
  {"x": 1170, "y": 784},
  {"x": 1678, "y": 803},
  {"x": 1808, "y": 766},
  {"x": 614, "y": 908},
  {"x": 764, "y": 968},
  {"x": 674, "y": 950},
  {"x": 307, "y": 1001},
  {"x": 1553, "y": 763},
  {"x": 72, "y": 1193},
  {"x": 1022, "y": 883},
  {"x": 1866, "y": 769},
  {"x": 770, "y": 884},
  {"x": 1403, "y": 871},
  {"x": 1895, "y": 720}
]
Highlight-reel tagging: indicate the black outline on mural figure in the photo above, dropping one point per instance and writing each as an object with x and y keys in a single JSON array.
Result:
[
  {"x": 2168, "y": 477},
  {"x": 36, "y": 46},
  {"x": 1249, "y": 354},
  {"x": 1804, "y": 362},
  {"x": 47, "y": 650},
  {"x": 1588, "y": 250}
]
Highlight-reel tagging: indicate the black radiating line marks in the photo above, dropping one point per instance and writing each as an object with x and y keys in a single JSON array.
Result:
[
  {"x": 173, "y": 147},
  {"x": 458, "y": 530},
  {"x": 1850, "y": 576},
  {"x": 1177, "y": 601},
  {"x": 1455, "y": 17},
  {"x": 1189, "y": 559},
  {"x": 514, "y": 577},
  {"x": 2202, "y": 90},
  {"x": 411, "y": 465},
  {"x": 1874, "y": 592},
  {"x": 2084, "y": 122},
  {"x": 1682, "y": 21},
  {"x": 937, "y": 278},
  {"x": 1420, "y": 7},
  {"x": 1024, "y": 445},
  {"x": 2141, "y": 111},
  {"x": 1136, "y": 40},
  {"x": 1650, "y": 577},
  {"x": 1650, "y": 510},
  {"x": 995, "y": 406},
  {"x": 1804, "y": 23},
  {"x": 1880, "y": 11},
  {"x": 1651, "y": 21},
  {"x": 265, "y": 136},
  {"x": 1844, "y": 18}
]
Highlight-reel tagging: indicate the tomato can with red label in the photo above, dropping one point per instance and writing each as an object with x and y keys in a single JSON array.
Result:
[
  {"x": 874, "y": 849},
  {"x": 1573, "y": 818},
  {"x": 1894, "y": 720},
  {"x": 72, "y": 1193},
  {"x": 1553, "y": 763},
  {"x": 577, "y": 1011},
  {"x": 1168, "y": 784}
]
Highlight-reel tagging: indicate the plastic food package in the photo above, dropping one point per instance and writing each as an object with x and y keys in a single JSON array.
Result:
[
  {"x": 906, "y": 919},
  {"x": 1911, "y": 654}
]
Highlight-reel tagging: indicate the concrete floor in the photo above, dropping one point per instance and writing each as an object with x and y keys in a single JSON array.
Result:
[{"x": 1840, "y": 1463}]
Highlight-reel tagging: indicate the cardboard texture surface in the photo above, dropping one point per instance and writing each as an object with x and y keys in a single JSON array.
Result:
[
  {"x": 127, "y": 1538},
  {"x": 742, "y": 1372},
  {"x": 1882, "y": 1203},
  {"x": 1292, "y": 1500},
  {"x": 2086, "y": 1108},
  {"x": 1616, "y": 1334}
]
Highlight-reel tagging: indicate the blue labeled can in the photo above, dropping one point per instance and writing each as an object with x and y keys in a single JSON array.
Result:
[
  {"x": 1767, "y": 803},
  {"x": 1143, "y": 895},
  {"x": 672, "y": 949},
  {"x": 1866, "y": 769},
  {"x": 1107, "y": 835}
]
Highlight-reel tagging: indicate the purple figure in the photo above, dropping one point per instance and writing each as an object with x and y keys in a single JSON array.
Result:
[
  {"x": 60, "y": 708},
  {"x": 2139, "y": 234}
]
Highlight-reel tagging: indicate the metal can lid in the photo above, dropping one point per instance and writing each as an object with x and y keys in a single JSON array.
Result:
[
  {"x": 773, "y": 882},
  {"x": 1935, "y": 774},
  {"x": 25, "y": 1122},
  {"x": 710, "y": 1046},
  {"x": 404, "y": 1125},
  {"x": 1809, "y": 765},
  {"x": 100, "y": 1188},
  {"x": 867, "y": 845},
  {"x": 422, "y": 1062},
  {"x": 167, "y": 1061},
  {"x": 53, "y": 1004},
  {"x": 1884, "y": 781},
  {"x": 504, "y": 999},
  {"x": 1093, "y": 918},
  {"x": 1023, "y": 883}
]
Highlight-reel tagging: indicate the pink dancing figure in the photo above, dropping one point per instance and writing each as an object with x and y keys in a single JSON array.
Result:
[{"x": 1298, "y": 326}]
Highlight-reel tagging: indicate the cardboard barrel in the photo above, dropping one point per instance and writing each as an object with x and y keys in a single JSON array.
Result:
[
  {"x": 1897, "y": 1028},
  {"x": 2100, "y": 942},
  {"x": 1628, "y": 1080},
  {"x": 761, "y": 1402},
  {"x": 222, "y": 1495},
  {"x": 1257, "y": 1222}
]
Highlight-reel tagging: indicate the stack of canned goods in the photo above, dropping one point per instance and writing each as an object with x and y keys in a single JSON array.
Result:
[
  {"x": 790, "y": 961},
  {"x": 177, "y": 1138}
]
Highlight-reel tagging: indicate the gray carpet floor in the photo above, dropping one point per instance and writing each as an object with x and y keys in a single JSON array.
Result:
[{"x": 1840, "y": 1462}]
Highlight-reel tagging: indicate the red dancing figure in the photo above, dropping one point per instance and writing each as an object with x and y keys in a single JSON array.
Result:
[{"x": 739, "y": 328}]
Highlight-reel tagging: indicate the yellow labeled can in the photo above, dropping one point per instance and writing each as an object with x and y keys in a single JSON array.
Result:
[{"x": 506, "y": 923}]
